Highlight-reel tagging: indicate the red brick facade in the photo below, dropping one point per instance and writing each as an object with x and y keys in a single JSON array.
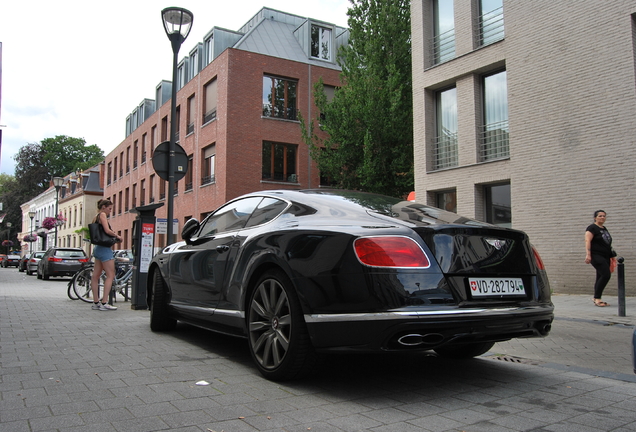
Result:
[{"x": 237, "y": 132}]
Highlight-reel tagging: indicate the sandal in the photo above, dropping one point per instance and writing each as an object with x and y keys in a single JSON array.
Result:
[{"x": 600, "y": 303}]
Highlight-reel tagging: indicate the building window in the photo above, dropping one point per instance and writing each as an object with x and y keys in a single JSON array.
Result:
[
  {"x": 121, "y": 164},
  {"x": 164, "y": 129},
  {"x": 143, "y": 149},
  {"x": 134, "y": 196},
  {"x": 444, "y": 31},
  {"x": 109, "y": 173},
  {"x": 208, "y": 45},
  {"x": 142, "y": 193},
  {"x": 445, "y": 143},
  {"x": 120, "y": 200},
  {"x": 279, "y": 98},
  {"x": 209, "y": 101},
  {"x": 498, "y": 205},
  {"x": 115, "y": 169},
  {"x": 177, "y": 124},
  {"x": 446, "y": 200},
  {"x": 190, "y": 115},
  {"x": 127, "y": 199},
  {"x": 188, "y": 176},
  {"x": 162, "y": 189},
  {"x": 153, "y": 140},
  {"x": 128, "y": 160},
  {"x": 207, "y": 170},
  {"x": 135, "y": 153},
  {"x": 151, "y": 189},
  {"x": 320, "y": 42},
  {"x": 491, "y": 21},
  {"x": 279, "y": 162},
  {"x": 494, "y": 132}
]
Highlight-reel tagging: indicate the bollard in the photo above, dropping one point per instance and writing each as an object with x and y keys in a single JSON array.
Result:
[{"x": 621, "y": 286}]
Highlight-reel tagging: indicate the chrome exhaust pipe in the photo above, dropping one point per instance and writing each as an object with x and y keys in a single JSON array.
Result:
[{"x": 416, "y": 339}]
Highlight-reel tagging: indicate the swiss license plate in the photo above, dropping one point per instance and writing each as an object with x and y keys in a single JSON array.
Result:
[{"x": 494, "y": 287}]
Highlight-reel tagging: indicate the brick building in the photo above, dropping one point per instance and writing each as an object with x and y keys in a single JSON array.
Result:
[
  {"x": 525, "y": 117},
  {"x": 239, "y": 94}
]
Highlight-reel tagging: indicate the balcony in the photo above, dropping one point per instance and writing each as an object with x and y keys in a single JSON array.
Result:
[{"x": 445, "y": 154}]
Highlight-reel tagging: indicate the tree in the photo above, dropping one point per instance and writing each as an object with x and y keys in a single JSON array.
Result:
[
  {"x": 369, "y": 122},
  {"x": 38, "y": 163}
]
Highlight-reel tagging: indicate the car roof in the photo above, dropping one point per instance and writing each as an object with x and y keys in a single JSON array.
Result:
[{"x": 338, "y": 203}]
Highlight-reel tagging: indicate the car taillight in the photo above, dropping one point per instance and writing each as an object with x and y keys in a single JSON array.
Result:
[
  {"x": 55, "y": 259},
  {"x": 83, "y": 260},
  {"x": 390, "y": 252},
  {"x": 537, "y": 259},
  {"x": 32, "y": 260}
]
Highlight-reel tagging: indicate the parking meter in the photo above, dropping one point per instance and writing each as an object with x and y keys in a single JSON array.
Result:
[{"x": 143, "y": 245}]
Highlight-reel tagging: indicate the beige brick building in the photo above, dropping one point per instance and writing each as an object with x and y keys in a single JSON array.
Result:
[{"x": 525, "y": 116}]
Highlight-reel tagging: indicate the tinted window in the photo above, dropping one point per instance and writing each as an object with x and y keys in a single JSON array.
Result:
[
  {"x": 70, "y": 253},
  {"x": 267, "y": 210},
  {"x": 231, "y": 217}
]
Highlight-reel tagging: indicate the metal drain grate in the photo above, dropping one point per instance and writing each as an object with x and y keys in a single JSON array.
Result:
[{"x": 513, "y": 359}]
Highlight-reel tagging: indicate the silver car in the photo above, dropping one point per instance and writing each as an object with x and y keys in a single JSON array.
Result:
[{"x": 32, "y": 263}]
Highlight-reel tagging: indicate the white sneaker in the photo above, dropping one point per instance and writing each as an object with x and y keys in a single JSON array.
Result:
[{"x": 106, "y": 307}]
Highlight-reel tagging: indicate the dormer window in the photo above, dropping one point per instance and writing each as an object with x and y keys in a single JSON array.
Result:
[{"x": 320, "y": 42}]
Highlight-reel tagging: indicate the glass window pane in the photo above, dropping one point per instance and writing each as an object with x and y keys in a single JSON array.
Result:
[{"x": 498, "y": 205}]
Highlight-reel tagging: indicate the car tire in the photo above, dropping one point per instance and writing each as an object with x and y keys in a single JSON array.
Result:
[
  {"x": 277, "y": 334},
  {"x": 39, "y": 274},
  {"x": 464, "y": 351},
  {"x": 160, "y": 319}
]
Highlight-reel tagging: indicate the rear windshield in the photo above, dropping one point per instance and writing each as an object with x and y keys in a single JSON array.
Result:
[
  {"x": 38, "y": 254},
  {"x": 70, "y": 254}
]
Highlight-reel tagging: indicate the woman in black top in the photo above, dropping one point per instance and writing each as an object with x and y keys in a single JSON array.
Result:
[{"x": 598, "y": 246}]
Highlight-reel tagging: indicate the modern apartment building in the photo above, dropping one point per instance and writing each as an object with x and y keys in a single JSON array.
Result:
[
  {"x": 524, "y": 116},
  {"x": 239, "y": 94}
]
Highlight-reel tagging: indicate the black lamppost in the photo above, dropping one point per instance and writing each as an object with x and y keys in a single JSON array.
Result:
[
  {"x": 31, "y": 215},
  {"x": 57, "y": 182},
  {"x": 177, "y": 23},
  {"x": 9, "y": 225}
]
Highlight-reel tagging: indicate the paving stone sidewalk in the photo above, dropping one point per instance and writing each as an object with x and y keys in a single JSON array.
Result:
[{"x": 66, "y": 368}]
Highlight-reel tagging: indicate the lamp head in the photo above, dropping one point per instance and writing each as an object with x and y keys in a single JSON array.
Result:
[
  {"x": 57, "y": 182},
  {"x": 31, "y": 214},
  {"x": 177, "y": 22}
]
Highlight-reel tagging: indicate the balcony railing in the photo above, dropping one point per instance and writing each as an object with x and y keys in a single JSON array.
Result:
[
  {"x": 491, "y": 25},
  {"x": 444, "y": 46},
  {"x": 493, "y": 139},
  {"x": 190, "y": 129},
  {"x": 188, "y": 187},
  {"x": 445, "y": 151},
  {"x": 209, "y": 116},
  {"x": 207, "y": 179}
]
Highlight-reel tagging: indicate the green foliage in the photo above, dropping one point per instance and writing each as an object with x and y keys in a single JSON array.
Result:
[{"x": 370, "y": 119}]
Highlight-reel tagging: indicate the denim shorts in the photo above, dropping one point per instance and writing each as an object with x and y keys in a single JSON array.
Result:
[{"x": 102, "y": 253}]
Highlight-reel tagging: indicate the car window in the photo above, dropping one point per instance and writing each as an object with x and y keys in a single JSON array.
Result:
[
  {"x": 267, "y": 210},
  {"x": 38, "y": 254},
  {"x": 69, "y": 254},
  {"x": 230, "y": 217}
]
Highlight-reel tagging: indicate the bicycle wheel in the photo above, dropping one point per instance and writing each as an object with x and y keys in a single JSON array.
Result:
[
  {"x": 82, "y": 285},
  {"x": 70, "y": 290}
]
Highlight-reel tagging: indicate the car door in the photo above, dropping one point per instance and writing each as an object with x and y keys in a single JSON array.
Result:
[{"x": 198, "y": 270}]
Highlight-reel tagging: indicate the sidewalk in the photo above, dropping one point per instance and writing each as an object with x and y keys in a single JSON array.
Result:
[{"x": 66, "y": 368}]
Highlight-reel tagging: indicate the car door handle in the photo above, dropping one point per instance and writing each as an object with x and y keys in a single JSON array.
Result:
[{"x": 222, "y": 248}]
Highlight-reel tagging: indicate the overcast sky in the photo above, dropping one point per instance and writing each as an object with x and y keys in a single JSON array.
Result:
[{"x": 78, "y": 68}]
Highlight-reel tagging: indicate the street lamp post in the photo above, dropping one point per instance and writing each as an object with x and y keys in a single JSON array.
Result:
[
  {"x": 177, "y": 23},
  {"x": 57, "y": 182},
  {"x": 31, "y": 215},
  {"x": 9, "y": 225}
]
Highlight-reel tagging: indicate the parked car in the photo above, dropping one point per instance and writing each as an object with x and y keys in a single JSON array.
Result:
[
  {"x": 60, "y": 261},
  {"x": 12, "y": 260},
  {"x": 22, "y": 264},
  {"x": 299, "y": 273},
  {"x": 2, "y": 258},
  {"x": 34, "y": 260}
]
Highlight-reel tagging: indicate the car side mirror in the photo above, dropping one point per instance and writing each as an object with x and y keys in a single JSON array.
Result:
[{"x": 189, "y": 228}]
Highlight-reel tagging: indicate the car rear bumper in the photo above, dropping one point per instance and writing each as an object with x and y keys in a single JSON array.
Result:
[{"x": 424, "y": 330}]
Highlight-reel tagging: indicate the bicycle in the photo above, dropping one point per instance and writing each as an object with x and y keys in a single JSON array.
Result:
[{"x": 122, "y": 283}]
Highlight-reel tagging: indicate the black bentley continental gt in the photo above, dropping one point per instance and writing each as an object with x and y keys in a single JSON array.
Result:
[{"x": 300, "y": 273}]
